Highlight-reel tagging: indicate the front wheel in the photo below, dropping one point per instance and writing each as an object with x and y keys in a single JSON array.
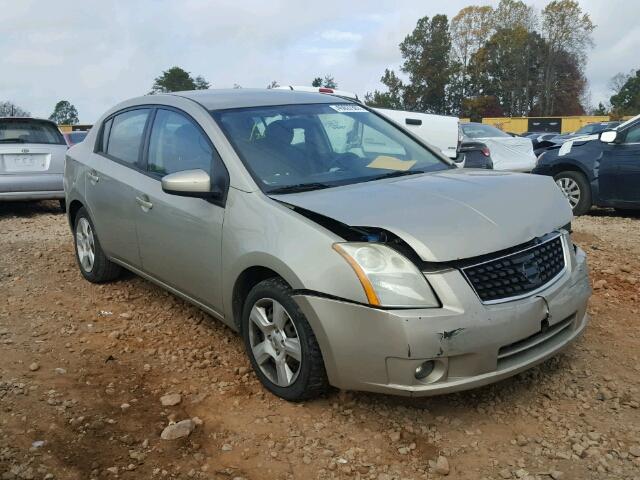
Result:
[
  {"x": 576, "y": 188},
  {"x": 281, "y": 346}
]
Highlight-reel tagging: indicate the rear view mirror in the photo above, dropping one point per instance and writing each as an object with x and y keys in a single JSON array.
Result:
[
  {"x": 608, "y": 136},
  {"x": 188, "y": 183}
]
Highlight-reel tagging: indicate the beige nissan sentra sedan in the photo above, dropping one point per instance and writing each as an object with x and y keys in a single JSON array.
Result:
[{"x": 344, "y": 250}]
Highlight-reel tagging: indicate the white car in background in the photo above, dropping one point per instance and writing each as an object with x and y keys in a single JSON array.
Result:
[
  {"x": 508, "y": 153},
  {"x": 32, "y": 155},
  {"x": 440, "y": 131}
]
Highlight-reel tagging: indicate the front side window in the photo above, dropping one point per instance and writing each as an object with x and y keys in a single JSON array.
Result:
[
  {"x": 125, "y": 138},
  {"x": 304, "y": 147},
  {"x": 29, "y": 131},
  {"x": 176, "y": 144},
  {"x": 633, "y": 134}
]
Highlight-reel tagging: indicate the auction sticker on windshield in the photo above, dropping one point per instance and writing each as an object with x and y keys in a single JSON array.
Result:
[{"x": 348, "y": 108}]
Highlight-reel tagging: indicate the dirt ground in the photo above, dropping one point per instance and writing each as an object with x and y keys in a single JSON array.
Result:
[{"x": 83, "y": 367}]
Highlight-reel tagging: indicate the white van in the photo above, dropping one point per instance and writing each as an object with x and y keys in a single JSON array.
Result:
[{"x": 440, "y": 131}]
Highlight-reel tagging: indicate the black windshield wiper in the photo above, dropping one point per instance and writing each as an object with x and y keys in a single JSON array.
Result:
[
  {"x": 300, "y": 187},
  {"x": 396, "y": 173},
  {"x": 12, "y": 140}
]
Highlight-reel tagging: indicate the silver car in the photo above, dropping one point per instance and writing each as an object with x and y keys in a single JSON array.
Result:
[
  {"x": 344, "y": 250},
  {"x": 32, "y": 155}
]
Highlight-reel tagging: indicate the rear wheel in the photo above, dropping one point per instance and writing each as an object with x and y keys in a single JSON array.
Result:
[
  {"x": 281, "y": 346},
  {"x": 576, "y": 188},
  {"x": 94, "y": 264}
]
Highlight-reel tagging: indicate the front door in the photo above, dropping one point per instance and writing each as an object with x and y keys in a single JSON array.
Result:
[
  {"x": 110, "y": 172},
  {"x": 180, "y": 237},
  {"x": 620, "y": 170}
]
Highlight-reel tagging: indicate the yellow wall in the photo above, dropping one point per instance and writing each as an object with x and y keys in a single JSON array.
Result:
[
  {"x": 521, "y": 124},
  {"x": 69, "y": 128}
]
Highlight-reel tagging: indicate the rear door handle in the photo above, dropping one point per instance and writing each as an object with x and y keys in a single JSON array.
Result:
[
  {"x": 144, "y": 202},
  {"x": 93, "y": 176}
]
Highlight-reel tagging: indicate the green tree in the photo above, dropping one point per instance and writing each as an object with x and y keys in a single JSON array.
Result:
[
  {"x": 10, "y": 109},
  {"x": 201, "y": 83},
  {"x": 507, "y": 67},
  {"x": 601, "y": 109},
  {"x": 426, "y": 52},
  {"x": 176, "y": 79},
  {"x": 273, "y": 84},
  {"x": 328, "y": 82},
  {"x": 627, "y": 100},
  {"x": 392, "y": 98},
  {"x": 64, "y": 113}
]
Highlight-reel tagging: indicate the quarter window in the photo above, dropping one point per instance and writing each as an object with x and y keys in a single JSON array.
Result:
[
  {"x": 177, "y": 144},
  {"x": 125, "y": 138}
]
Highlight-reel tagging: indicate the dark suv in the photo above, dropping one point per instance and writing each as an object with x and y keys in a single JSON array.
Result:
[{"x": 604, "y": 172}]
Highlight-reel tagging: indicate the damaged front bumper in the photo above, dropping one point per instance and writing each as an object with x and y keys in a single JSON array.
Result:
[{"x": 470, "y": 344}]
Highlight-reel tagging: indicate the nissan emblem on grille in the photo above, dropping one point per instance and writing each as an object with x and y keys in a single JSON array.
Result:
[{"x": 517, "y": 274}]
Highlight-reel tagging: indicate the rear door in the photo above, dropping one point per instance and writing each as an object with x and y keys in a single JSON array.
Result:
[
  {"x": 180, "y": 237},
  {"x": 115, "y": 168},
  {"x": 619, "y": 177}
]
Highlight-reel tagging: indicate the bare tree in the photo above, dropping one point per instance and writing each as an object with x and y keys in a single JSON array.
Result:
[{"x": 10, "y": 109}]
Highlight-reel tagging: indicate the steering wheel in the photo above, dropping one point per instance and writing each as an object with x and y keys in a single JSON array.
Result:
[{"x": 347, "y": 161}]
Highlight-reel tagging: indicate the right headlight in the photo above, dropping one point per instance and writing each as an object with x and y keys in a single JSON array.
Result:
[{"x": 389, "y": 278}]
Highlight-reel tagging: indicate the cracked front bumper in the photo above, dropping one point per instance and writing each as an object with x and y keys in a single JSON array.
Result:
[{"x": 470, "y": 344}]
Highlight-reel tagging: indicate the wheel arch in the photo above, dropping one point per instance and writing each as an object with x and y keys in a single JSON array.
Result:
[
  {"x": 72, "y": 211},
  {"x": 245, "y": 281}
]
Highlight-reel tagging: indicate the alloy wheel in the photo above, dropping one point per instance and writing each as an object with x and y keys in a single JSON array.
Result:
[
  {"x": 571, "y": 190},
  {"x": 85, "y": 244},
  {"x": 275, "y": 344}
]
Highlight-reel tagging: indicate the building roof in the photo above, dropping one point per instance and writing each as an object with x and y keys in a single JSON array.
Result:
[{"x": 249, "y": 97}]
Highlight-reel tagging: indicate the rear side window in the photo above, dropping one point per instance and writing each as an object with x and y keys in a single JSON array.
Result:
[
  {"x": 124, "y": 140},
  {"x": 177, "y": 144},
  {"x": 29, "y": 131}
]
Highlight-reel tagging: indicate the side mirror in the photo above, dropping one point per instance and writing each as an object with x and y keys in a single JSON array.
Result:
[
  {"x": 608, "y": 136},
  {"x": 188, "y": 183}
]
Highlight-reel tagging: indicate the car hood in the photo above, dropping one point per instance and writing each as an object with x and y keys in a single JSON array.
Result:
[{"x": 447, "y": 215}]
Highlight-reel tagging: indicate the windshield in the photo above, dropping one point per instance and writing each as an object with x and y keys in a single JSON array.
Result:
[
  {"x": 29, "y": 131},
  {"x": 303, "y": 147},
  {"x": 477, "y": 130}
]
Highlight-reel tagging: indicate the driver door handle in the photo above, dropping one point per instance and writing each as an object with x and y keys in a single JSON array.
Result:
[
  {"x": 144, "y": 202},
  {"x": 93, "y": 176}
]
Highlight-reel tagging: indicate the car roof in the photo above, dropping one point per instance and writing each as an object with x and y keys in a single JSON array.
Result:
[
  {"x": 29, "y": 118},
  {"x": 222, "y": 99}
]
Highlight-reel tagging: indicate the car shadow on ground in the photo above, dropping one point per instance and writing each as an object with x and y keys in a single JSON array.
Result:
[
  {"x": 30, "y": 209},
  {"x": 610, "y": 212}
]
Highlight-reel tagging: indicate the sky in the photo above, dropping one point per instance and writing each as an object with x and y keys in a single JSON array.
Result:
[{"x": 96, "y": 53}]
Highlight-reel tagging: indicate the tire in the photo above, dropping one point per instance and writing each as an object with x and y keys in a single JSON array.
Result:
[
  {"x": 576, "y": 188},
  {"x": 93, "y": 263},
  {"x": 293, "y": 380}
]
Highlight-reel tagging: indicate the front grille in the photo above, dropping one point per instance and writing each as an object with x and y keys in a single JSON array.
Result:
[{"x": 519, "y": 273}]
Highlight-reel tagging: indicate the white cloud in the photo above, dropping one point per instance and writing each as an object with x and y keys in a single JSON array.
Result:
[
  {"x": 338, "y": 36},
  {"x": 95, "y": 53}
]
